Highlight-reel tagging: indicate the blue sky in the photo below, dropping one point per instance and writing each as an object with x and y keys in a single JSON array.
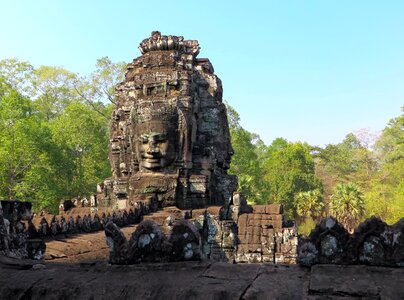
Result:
[{"x": 312, "y": 71}]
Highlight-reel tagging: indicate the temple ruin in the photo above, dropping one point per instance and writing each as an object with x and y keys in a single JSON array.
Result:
[
  {"x": 170, "y": 149},
  {"x": 170, "y": 199}
]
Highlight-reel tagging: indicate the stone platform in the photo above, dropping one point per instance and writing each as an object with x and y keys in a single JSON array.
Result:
[{"x": 24, "y": 279}]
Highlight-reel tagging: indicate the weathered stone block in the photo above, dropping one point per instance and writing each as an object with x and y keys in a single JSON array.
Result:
[
  {"x": 279, "y": 258},
  {"x": 273, "y": 209},
  {"x": 259, "y": 209}
]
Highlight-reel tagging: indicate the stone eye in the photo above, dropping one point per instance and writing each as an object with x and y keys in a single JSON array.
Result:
[
  {"x": 143, "y": 139},
  {"x": 161, "y": 138}
]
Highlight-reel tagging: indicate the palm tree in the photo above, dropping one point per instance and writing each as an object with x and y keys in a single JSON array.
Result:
[
  {"x": 309, "y": 204},
  {"x": 347, "y": 204}
]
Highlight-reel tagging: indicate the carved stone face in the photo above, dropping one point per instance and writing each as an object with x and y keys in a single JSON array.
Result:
[{"x": 156, "y": 145}]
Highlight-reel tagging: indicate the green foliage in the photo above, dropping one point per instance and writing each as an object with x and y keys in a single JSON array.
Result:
[
  {"x": 304, "y": 178},
  {"x": 81, "y": 134},
  {"x": 306, "y": 226},
  {"x": 245, "y": 163},
  {"x": 99, "y": 88},
  {"x": 17, "y": 147},
  {"x": 385, "y": 196},
  {"x": 270, "y": 174},
  {"x": 53, "y": 142},
  {"x": 391, "y": 143},
  {"x": 16, "y": 74},
  {"x": 52, "y": 90},
  {"x": 348, "y": 161},
  {"x": 347, "y": 204},
  {"x": 309, "y": 204},
  {"x": 289, "y": 170}
]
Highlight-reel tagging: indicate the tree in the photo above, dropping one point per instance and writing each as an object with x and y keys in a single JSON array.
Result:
[
  {"x": 54, "y": 143},
  {"x": 82, "y": 138},
  {"x": 309, "y": 204},
  {"x": 17, "y": 74},
  {"x": 245, "y": 161},
  {"x": 15, "y": 112},
  {"x": 347, "y": 205},
  {"x": 106, "y": 76},
  {"x": 348, "y": 161},
  {"x": 22, "y": 137},
  {"x": 272, "y": 174},
  {"x": 98, "y": 89},
  {"x": 385, "y": 197},
  {"x": 289, "y": 169},
  {"x": 53, "y": 90}
]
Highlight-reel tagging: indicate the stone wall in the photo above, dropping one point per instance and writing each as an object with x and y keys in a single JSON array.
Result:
[
  {"x": 261, "y": 235},
  {"x": 264, "y": 236}
]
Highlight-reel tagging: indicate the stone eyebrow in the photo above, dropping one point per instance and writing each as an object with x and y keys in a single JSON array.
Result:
[
  {"x": 158, "y": 136},
  {"x": 161, "y": 136},
  {"x": 144, "y": 137}
]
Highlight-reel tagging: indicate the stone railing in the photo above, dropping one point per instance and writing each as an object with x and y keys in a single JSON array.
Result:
[
  {"x": 373, "y": 243},
  {"x": 14, "y": 239},
  {"x": 85, "y": 220}
]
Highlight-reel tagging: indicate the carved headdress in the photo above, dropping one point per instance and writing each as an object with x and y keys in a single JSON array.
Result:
[{"x": 146, "y": 111}]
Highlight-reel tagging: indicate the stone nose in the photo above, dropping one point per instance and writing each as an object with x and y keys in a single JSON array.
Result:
[{"x": 152, "y": 146}]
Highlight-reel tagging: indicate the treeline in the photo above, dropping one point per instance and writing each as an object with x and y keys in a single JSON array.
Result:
[
  {"x": 54, "y": 130},
  {"x": 54, "y": 145},
  {"x": 351, "y": 180}
]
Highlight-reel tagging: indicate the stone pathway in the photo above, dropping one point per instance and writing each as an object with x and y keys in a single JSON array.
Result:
[
  {"x": 80, "y": 247},
  {"x": 196, "y": 280}
]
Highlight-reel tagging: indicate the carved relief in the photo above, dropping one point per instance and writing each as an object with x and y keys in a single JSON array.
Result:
[{"x": 169, "y": 137}]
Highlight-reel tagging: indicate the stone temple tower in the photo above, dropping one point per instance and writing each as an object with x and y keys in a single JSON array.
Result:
[{"x": 169, "y": 137}]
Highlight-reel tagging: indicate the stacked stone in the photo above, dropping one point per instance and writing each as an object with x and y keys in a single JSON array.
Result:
[
  {"x": 227, "y": 234},
  {"x": 287, "y": 252},
  {"x": 264, "y": 237},
  {"x": 220, "y": 238}
]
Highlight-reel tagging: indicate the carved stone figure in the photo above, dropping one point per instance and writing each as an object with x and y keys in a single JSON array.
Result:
[{"x": 169, "y": 138}]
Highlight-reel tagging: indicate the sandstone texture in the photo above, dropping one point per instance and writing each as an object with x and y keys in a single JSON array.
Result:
[
  {"x": 80, "y": 247},
  {"x": 84, "y": 219},
  {"x": 169, "y": 138},
  {"x": 214, "y": 233},
  {"x": 14, "y": 238},
  {"x": 22, "y": 279},
  {"x": 372, "y": 243}
]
